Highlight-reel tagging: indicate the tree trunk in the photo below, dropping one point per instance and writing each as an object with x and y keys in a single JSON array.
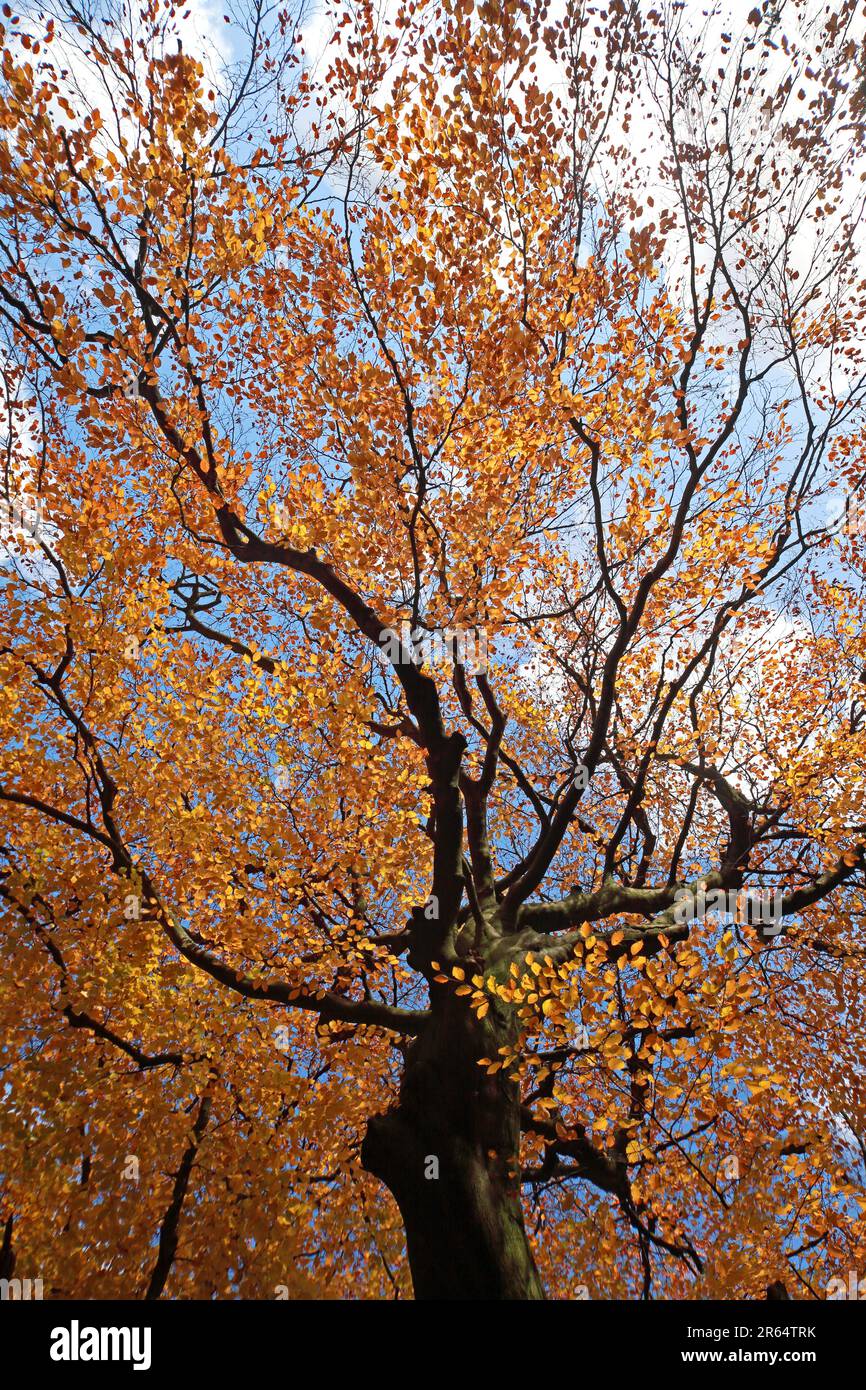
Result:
[{"x": 449, "y": 1153}]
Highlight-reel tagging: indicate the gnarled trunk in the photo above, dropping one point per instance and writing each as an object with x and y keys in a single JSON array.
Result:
[{"x": 449, "y": 1153}]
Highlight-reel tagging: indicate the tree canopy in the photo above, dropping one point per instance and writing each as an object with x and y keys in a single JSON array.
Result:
[{"x": 432, "y": 614}]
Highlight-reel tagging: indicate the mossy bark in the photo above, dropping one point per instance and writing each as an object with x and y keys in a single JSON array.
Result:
[{"x": 449, "y": 1153}]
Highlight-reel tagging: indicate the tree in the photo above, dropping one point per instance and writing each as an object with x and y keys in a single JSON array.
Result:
[{"x": 433, "y": 651}]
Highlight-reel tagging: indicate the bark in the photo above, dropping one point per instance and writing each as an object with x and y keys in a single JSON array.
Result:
[{"x": 449, "y": 1153}]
